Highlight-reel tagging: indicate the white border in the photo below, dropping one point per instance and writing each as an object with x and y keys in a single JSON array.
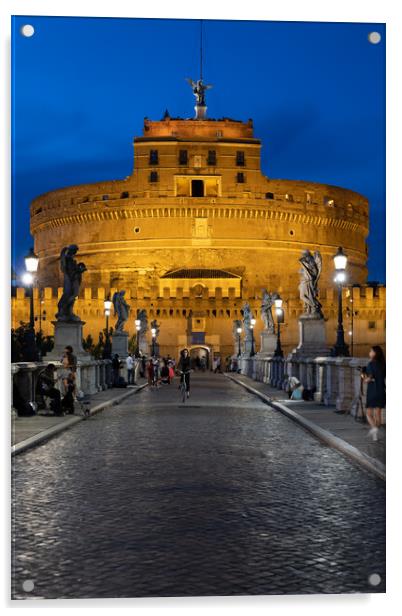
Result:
[{"x": 378, "y": 11}]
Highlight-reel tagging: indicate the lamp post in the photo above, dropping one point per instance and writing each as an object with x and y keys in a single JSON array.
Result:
[
  {"x": 137, "y": 328},
  {"x": 239, "y": 330},
  {"x": 153, "y": 332},
  {"x": 279, "y": 319},
  {"x": 31, "y": 267},
  {"x": 39, "y": 318},
  {"x": 340, "y": 349},
  {"x": 253, "y": 321},
  {"x": 107, "y": 304}
]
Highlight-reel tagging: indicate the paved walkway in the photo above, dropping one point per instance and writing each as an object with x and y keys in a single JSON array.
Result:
[
  {"x": 220, "y": 496},
  {"x": 343, "y": 426},
  {"x": 32, "y": 430}
]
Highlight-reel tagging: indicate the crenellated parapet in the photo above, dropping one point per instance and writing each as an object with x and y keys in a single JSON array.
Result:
[{"x": 218, "y": 307}]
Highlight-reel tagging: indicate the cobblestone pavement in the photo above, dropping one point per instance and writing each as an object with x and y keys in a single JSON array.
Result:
[{"x": 220, "y": 496}]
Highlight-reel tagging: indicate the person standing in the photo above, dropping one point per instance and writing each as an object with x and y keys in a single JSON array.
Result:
[
  {"x": 150, "y": 373},
  {"x": 374, "y": 376},
  {"x": 143, "y": 365},
  {"x": 217, "y": 364},
  {"x": 116, "y": 369},
  {"x": 130, "y": 369},
  {"x": 68, "y": 372},
  {"x": 184, "y": 366}
]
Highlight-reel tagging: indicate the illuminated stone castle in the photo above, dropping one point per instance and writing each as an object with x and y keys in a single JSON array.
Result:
[{"x": 195, "y": 231}]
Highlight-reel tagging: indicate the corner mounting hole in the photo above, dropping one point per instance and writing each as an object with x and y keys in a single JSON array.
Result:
[
  {"x": 374, "y": 38},
  {"x": 374, "y": 579},
  {"x": 28, "y": 585},
  {"x": 27, "y": 30}
]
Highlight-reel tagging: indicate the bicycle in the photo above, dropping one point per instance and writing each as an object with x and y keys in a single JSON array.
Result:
[{"x": 183, "y": 385}]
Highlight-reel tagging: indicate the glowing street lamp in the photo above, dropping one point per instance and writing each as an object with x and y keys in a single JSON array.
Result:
[
  {"x": 31, "y": 267},
  {"x": 28, "y": 278},
  {"x": 279, "y": 319},
  {"x": 153, "y": 332},
  {"x": 340, "y": 349},
  {"x": 137, "y": 328},
  {"x": 107, "y": 305},
  {"x": 253, "y": 321},
  {"x": 239, "y": 330}
]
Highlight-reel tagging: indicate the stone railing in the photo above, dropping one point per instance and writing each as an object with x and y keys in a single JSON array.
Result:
[
  {"x": 336, "y": 381},
  {"x": 92, "y": 376}
]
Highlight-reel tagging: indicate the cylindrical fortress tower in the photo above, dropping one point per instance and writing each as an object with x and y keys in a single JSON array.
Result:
[{"x": 197, "y": 200}]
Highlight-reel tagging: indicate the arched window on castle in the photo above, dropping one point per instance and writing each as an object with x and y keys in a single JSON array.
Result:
[{"x": 269, "y": 195}]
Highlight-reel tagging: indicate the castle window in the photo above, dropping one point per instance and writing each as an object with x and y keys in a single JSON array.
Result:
[
  {"x": 240, "y": 178},
  {"x": 153, "y": 176},
  {"x": 197, "y": 188},
  {"x": 269, "y": 195},
  {"x": 124, "y": 195},
  {"x": 211, "y": 160},
  {"x": 153, "y": 157},
  {"x": 371, "y": 324},
  {"x": 288, "y": 197},
  {"x": 105, "y": 197},
  {"x": 240, "y": 160},
  {"x": 183, "y": 157},
  {"x": 329, "y": 202}
]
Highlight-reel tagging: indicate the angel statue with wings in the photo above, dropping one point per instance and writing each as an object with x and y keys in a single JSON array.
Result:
[
  {"x": 121, "y": 309},
  {"x": 72, "y": 271},
  {"x": 237, "y": 324},
  {"x": 308, "y": 287},
  {"x": 142, "y": 317},
  {"x": 247, "y": 316},
  {"x": 199, "y": 89},
  {"x": 268, "y": 300}
]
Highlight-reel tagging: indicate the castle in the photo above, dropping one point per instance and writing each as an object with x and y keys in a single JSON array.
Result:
[{"x": 195, "y": 231}]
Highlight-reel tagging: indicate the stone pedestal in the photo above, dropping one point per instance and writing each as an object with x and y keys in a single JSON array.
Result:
[
  {"x": 268, "y": 344},
  {"x": 68, "y": 333},
  {"x": 247, "y": 346},
  {"x": 144, "y": 347},
  {"x": 200, "y": 112},
  {"x": 120, "y": 344},
  {"x": 312, "y": 338}
]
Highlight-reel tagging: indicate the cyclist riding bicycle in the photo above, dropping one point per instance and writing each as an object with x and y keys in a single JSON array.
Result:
[{"x": 184, "y": 367}]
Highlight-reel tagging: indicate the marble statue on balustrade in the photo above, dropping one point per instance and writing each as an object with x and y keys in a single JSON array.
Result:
[
  {"x": 143, "y": 318},
  {"x": 236, "y": 325},
  {"x": 68, "y": 327},
  {"x": 267, "y": 301},
  {"x": 248, "y": 330},
  {"x": 308, "y": 287},
  {"x": 72, "y": 271},
  {"x": 247, "y": 316},
  {"x": 268, "y": 337},
  {"x": 312, "y": 334},
  {"x": 120, "y": 337},
  {"x": 121, "y": 309}
]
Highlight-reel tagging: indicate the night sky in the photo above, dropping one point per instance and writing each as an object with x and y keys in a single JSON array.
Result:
[{"x": 82, "y": 86}]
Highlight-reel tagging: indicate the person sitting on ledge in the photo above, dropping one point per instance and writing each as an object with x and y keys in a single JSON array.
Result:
[{"x": 46, "y": 387}]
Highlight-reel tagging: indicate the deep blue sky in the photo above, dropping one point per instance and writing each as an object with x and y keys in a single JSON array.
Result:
[{"x": 82, "y": 86}]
